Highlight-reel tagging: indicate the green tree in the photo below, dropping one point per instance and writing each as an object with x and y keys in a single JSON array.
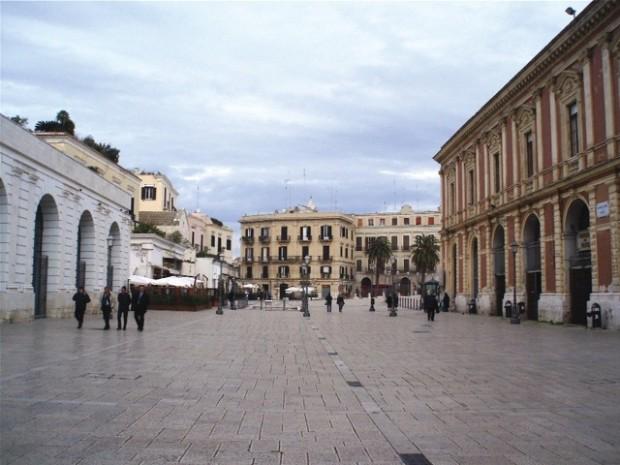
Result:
[
  {"x": 425, "y": 254},
  {"x": 23, "y": 122},
  {"x": 146, "y": 228},
  {"x": 111, "y": 153},
  {"x": 63, "y": 123},
  {"x": 175, "y": 237},
  {"x": 379, "y": 252}
]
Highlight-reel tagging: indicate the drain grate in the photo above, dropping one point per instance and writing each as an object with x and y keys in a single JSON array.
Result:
[
  {"x": 332, "y": 353},
  {"x": 414, "y": 459},
  {"x": 321, "y": 338},
  {"x": 354, "y": 383}
]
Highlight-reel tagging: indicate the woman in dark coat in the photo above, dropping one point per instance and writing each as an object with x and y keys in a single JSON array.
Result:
[
  {"x": 340, "y": 302},
  {"x": 446, "y": 302},
  {"x": 124, "y": 300},
  {"x": 106, "y": 307},
  {"x": 328, "y": 302},
  {"x": 81, "y": 299}
]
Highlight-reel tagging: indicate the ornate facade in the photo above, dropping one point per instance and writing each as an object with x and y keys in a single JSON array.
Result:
[{"x": 537, "y": 170}]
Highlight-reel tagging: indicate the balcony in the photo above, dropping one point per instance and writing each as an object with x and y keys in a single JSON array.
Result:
[
  {"x": 326, "y": 275},
  {"x": 284, "y": 275},
  {"x": 248, "y": 239},
  {"x": 248, "y": 259},
  {"x": 326, "y": 238},
  {"x": 326, "y": 259},
  {"x": 406, "y": 248},
  {"x": 288, "y": 259},
  {"x": 264, "y": 238},
  {"x": 284, "y": 238},
  {"x": 304, "y": 238},
  {"x": 264, "y": 259}
]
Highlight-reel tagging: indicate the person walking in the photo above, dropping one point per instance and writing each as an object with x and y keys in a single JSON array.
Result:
[
  {"x": 395, "y": 301},
  {"x": 340, "y": 302},
  {"x": 140, "y": 305},
  {"x": 430, "y": 305},
  {"x": 389, "y": 300},
  {"x": 328, "y": 302},
  {"x": 446, "y": 302},
  {"x": 124, "y": 301},
  {"x": 81, "y": 299},
  {"x": 106, "y": 307}
]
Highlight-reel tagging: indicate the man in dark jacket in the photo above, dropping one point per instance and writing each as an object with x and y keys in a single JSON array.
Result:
[
  {"x": 140, "y": 305},
  {"x": 340, "y": 302},
  {"x": 124, "y": 301},
  {"x": 328, "y": 302},
  {"x": 446, "y": 302},
  {"x": 81, "y": 299},
  {"x": 106, "y": 307},
  {"x": 430, "y": 305}
]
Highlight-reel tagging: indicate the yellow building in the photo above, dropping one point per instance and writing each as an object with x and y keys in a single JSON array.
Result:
[
  {"x": 273, "y": 246},
  {"x": 400, "y": 229},
  {"x": 110, "y": 171},
  {"x": 210, "y": 235},
  {"x": 156, "y": 192}
]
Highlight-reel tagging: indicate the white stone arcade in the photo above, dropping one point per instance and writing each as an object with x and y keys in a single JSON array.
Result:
[{"x": 61, "y": 225}]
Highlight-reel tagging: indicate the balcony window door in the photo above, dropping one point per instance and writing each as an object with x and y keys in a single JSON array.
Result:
[
  {"x": 305, "y": 233},
  {"x": 326, "y": 252},
  {"x": 283, "y": 232},
  {"x": 282, "y": 253},
  {"x": 573, "y": 128}
]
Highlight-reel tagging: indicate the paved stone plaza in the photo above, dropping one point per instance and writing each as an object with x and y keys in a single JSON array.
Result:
[{"x": 271, "y": 387}]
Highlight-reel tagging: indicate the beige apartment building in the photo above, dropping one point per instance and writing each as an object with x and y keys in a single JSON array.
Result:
[
  {"x": 400, "y": 229},
  {"x": 110, "y": 171},
  {"x": 210, "y": 235},
  {"x": 273, "y": 246},
  {"x": 156, "y": 192}
]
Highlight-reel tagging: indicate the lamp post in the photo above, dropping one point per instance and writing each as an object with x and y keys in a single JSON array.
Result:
[
  {"x": 372, "y": 294},
  {"x": 392, "y": 271},
  {"x": 110, "y": 271},
  {"x": 304, "y": 283},
  {"x": 220, "y": 310},
  {"x": 515, "y": 318}
]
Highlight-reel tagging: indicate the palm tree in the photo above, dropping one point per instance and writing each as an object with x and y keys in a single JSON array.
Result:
[
  {"x": 425, "y": 254},
  {"x": 379, "y": 252},
  {"x": 63, "y": 123}
]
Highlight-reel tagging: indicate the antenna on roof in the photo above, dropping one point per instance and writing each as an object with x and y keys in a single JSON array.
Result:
[{"x": 571, "y": 11}]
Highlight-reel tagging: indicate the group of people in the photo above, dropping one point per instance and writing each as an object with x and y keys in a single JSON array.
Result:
[
  {"x": 339, "y": 302},
  {"x": 137, "y": 301}
]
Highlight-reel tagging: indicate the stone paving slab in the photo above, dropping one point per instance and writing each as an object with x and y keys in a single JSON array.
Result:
[{"x": 271, "y": 387}]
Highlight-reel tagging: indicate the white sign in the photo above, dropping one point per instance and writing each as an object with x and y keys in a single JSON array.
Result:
[
  {"x": 602, "y": 209},
  {"x": 583, "y": 240}
]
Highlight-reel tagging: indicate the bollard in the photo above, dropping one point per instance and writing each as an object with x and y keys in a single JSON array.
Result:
[{"x": 595, "y": 314}]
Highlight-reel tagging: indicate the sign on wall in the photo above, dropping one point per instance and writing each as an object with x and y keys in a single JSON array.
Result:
[
  {"x": 583, "y": 240},
  {"x": 602, "y": 209}
]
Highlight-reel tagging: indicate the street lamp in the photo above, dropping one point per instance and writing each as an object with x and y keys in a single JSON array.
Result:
[
  {"x": 109, "y": 277},
  {"x": 371, "y": 268},
  {"x": 514, "y": 316},
  {"x": 392, "y": 271},
  {"x": 220, "y": 310},
  {"x": 304, "y": 283}
]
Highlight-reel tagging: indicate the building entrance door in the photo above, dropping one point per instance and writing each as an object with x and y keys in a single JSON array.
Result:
[
  {"x": 532, "y": 289},
  {"x": 500, "y": 290},
  {"x": 580, "y": 289}
]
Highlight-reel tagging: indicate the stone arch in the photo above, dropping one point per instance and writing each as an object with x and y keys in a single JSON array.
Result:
[
  {"x": 4, "y": 236},
  {"x": 499, "y": 267},
  {"x": 366, "y": 286},
  {"x": 578, "y": 258},
  {"x": 86, "y": 252},
  {"x": 114, "y": 279},
  {"x": 46, "y": 253},
  {"x": 532, "y": 264},
  {"x": 405, "y": 286}
]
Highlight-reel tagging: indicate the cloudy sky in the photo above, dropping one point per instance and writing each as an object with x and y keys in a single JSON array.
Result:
[{"x": 242, "y": 99}]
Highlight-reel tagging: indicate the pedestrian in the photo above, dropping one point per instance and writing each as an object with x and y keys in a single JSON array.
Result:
[
  {"x": 340, "y": 302},
  {"x": 389, "y": 300},
  {"x": 430, "y": 305},
  {"x": 81, "y": 299},
  {"x": 106, "y": 307},
  {"x": 446, "y": 302},
  {"x": 395, "y": 300},
  {"x": 328, "y": 302},
  {"x": 124, "y": 301},
  {"x": 140, "y": 305}
]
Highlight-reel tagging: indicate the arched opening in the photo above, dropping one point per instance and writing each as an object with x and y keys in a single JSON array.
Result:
[
  {"x": 499, "y": 269},
  {"x": 405, "y": 286},
  {"x": 474, "y": 268},
  {"x": 86, "y": 251},
  {"x": 366, "y": 287},
  {"x": 578, "y": 256},
  {"x": 283, "y": 288},
  {"x": 114, "y": 279},
  {"x": 4, "y": 237},
  {"x": 454, "y": 268},
  {"x": 533, "y": 273},
  {"x": 45, "y": 251}
]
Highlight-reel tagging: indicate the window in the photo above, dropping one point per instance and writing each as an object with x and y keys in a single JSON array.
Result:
[
  {"x": 341, "y": 251},
  {"x": 326, "y": 232},
  {"x": 358, "y": 266},
  {"x": 248, "y": 272},
  {"x": 219, "y": 244},
  {"x": 573, "y": 129},
  {"x": 284, "y": 232},
  {"x": 394, "y": 221},
  {"x": 431, "y": 220},
  {"x": 360, "y": 223},
  {"x": 406, "y": 265},
  {"x": 264, "y": 254},
  {"x": 282, "y": 253},
  {"x": 346, "y": 253},
  {"x": 249, "y": 254},
  {"x": 305, "y": 233},
  {"x": 497, "y": 171},
  {"x": 471, "y": 190},
  {"x": 418, "y": 220},
  {"x": 394, "y": 242},
  {"x": 166, "y": 203},
  {"x": 371, "y": 222},
  {"x": 326, "y": 271},
  {"x": 202, "y": 242},
  {"x": 228, "y": 244},
  {"x": 326, "y": 252},
  {"x": 149, "y": 193},
  {"x": 381, "y": 221},
  {"x": 305, "y": 251},
  {"x": 358, "y": 244},
  {"x": 193, "y": 239},
  {"x": 265, "y": 273},
  {"x": 283, "y": 271},
  {"x": 405, "y": 242},
  {"x": 394, "y": 266},
  {"x": 212, "y": 241},
  {"x": 308, "y": 271},
  {"x": 529, "y": 154},
  {"x": 249, "y": 232},
  {"x": 452, "y": 205},
  {"x": 406, "y": 221},
  {"x": 264, "y": 233}
]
